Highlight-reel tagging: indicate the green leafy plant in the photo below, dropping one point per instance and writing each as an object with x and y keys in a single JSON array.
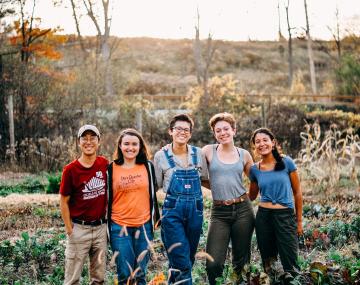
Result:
[
  {"x": 348, "y": 75},
  {"x": 54, "y": 183},
  {"x": 29, "y": 185}
]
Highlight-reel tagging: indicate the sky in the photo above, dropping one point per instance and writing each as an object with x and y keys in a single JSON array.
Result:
[{"x": 235, "y": 20}]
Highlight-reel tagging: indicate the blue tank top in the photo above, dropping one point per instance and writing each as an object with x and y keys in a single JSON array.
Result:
[{"x": 275, "y": 186}]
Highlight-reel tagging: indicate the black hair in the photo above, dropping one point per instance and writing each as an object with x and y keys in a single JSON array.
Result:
[
  {"x": 143, "y": 154},
  {"x": 181, "y": 117},
  {"x": 280, "y": 165}
]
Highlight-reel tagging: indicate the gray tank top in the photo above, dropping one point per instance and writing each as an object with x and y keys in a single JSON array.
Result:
[{"x": 226, "y": 179}]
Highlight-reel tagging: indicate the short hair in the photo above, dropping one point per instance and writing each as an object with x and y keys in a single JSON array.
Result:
[
  {"x": 143, "y": 154},
  {"x": 227, "y": 117},
  {"x": 181, "y": 117}
]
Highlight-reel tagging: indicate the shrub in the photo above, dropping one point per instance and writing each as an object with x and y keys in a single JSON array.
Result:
[
  {"x": 42, "y": 154},
  {"x": 287, "y": 122},
  {"x": 223, "y": 96},
  {"x": 342, "y": 120},
  {"x": 348, "y": 75},
  {"x": 54, "y": 183},
  {"x": 29, "y": 185}
]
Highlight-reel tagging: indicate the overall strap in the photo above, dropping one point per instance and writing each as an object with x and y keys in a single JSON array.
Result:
[
  {"x": 194, "y": 156},
  {"x": 169, "y": 159}
]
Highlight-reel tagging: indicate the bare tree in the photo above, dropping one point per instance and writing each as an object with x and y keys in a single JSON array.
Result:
[
  {"x": 77, "y": 26},
  {"x": 202, "y": 63},
  {"x": 99, "y": 14},
  {"x": 336, "y": 34},
  {"x": 104, "y": 39},
  {"x": 5, "y": 10},
  {"x": 310, "y": 52},
  {"x": 281, "y": 37},
  {"x": 197, "y": 50},
  {"x": 290, "y": 52}
]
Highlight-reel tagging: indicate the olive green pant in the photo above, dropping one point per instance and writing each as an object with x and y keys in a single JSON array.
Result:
[{"x": 233, "y": 223}]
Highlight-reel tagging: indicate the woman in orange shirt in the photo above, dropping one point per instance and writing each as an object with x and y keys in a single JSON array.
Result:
[{"x": 132, "y": 207}]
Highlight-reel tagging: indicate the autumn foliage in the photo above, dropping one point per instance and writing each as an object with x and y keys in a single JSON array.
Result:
[{"x": 33, "y": 40}]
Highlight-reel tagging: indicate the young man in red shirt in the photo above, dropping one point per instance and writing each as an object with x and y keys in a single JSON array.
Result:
[{"x": 83, "y": 202}]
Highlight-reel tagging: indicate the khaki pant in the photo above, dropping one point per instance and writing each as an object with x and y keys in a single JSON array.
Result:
[{"x": 86, "y": 241}]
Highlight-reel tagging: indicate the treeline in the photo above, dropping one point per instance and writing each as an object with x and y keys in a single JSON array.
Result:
[{"x": 50, "y": 84}]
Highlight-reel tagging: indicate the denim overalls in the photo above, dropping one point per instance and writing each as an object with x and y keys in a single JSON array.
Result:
[{"x": 182, "y": 217}]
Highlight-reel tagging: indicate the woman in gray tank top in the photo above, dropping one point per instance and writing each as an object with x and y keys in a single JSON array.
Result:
[{"x": 232, "y": 215}]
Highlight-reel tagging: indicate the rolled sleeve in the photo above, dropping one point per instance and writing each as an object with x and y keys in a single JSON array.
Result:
[{"x": 158, "y": 169}]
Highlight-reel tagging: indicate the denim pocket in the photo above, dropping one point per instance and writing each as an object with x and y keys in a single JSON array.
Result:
[
  {"x": 169, "y": 203},
  {"x": 199, "y": 205}
]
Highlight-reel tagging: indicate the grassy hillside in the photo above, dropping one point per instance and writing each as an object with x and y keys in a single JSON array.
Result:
[{"x": 159, "y": 66}]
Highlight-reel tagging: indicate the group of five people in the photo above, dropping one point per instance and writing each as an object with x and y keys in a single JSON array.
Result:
[{"x": 121, "y": 197}]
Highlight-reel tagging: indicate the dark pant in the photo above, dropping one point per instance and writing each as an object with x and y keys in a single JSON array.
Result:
[
  {"x": 235, "y": 223},
  {"x": 276, "y": 234}
]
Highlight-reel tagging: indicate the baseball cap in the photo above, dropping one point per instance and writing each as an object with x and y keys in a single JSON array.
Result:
[{"x": 85, "y": 128}]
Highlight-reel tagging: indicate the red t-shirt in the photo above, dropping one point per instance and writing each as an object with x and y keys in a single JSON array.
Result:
[{"x": 87, "y": 189}]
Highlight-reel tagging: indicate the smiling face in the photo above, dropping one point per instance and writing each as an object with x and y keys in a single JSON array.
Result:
[
  {"x": 89, "y": 143},
  {"x": 223, "y": 132},
  {"x": 180, "y": 132},
  {"x": 263, "y": 144},
  {"x": 129, "y": 147}
]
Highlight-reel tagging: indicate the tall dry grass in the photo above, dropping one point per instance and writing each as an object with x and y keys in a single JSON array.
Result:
[{"x": 330, "y": 156}]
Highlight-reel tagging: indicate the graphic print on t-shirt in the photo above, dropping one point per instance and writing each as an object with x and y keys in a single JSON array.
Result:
[
  {"x": 131, "y": 182},
  {"x": 95, "y": 187}
]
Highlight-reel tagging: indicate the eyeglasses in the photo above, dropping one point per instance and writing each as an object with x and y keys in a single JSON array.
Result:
[
  {"x": 180, "y": 129},
  {"x": 92, "y": 139}
]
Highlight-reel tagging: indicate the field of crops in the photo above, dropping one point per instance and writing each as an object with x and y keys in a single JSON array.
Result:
[{"x": 33, "y": 239}]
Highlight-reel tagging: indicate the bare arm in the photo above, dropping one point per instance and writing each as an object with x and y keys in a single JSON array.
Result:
[
  {"x": 248, "y": 162},
  {"x": 205, "y": 165},
  {"x": 65, "y": 213},
  {"x": 295, "y": 184},
  {"x": 253, "y": 191}
]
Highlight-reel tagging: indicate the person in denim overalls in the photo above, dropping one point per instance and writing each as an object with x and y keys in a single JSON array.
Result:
[{"x": 178, "y": 169}]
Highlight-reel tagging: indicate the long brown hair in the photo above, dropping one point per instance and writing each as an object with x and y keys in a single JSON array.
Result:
[{"x": 143, "y": 154}]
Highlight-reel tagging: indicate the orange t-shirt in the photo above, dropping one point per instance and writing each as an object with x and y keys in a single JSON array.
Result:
[{"x": 131, "y": 198}]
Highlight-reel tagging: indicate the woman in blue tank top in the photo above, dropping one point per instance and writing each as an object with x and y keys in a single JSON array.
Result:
[
  {"x": 276, "y": 224},
  {"x": 232, "y": 216}
]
